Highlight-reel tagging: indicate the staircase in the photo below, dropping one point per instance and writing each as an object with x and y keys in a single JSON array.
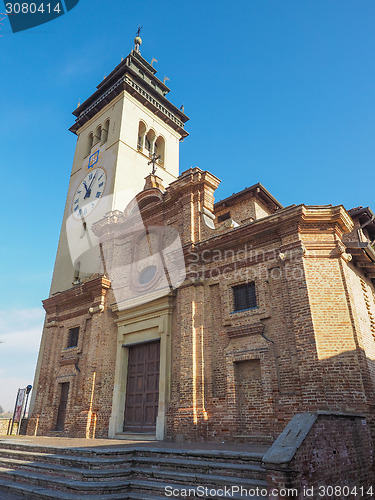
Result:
[{"x": 139, "y": 473}]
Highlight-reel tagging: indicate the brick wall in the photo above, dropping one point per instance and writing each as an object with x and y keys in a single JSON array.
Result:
[
  {"x": 4, "y": 425},
  {"x": 337, "y": 451},
  {"x": 88, "y": 368}
]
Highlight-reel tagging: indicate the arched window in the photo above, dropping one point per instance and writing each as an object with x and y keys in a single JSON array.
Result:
[
  {"x": 149, "y": 141},
  {"x": 141, "y": 136},
  {"x": 98, "y": 135},
  {"x": 160, "y": 149},
  {"x": 105, "y": 132},
  {"x": 90, "y": 140}
]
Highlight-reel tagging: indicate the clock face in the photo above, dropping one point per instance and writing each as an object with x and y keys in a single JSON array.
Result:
[{"x": 88, "y": 193}]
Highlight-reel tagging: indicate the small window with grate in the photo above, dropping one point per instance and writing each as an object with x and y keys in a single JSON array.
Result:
[
  {"x": 244, "y": 296},
  {"x": 73, "y": 337},
  {"x": 223, "y": 217}
]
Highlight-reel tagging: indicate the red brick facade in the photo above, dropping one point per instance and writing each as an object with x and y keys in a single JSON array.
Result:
[{"x": 233, "y": 375}]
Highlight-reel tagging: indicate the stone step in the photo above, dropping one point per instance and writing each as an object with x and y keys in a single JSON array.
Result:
[
  {"x": 167, "y": 459},
  {"x": 148, "y": 482},
  {"x": 63, "y": 471},
  {"x": 64, "y": 484},
  {"x": 193, "y": 479},
  {"x": 18, "y": 458},
  {"x": 138, "y": 473},
  {"x": 182, "y": 491},
  {"x": 141, "y": 467},
  {"x": 97, "y": 452},
  {"x": 74, "y": 460},
  {"x": 122, "y": 452},
  {"x": 29, "y": 491},
  {"x": 232, "y": 469},
  {"x": 225, "y": 456},
  {"x": 146, "y": 491},
  {"x": 143, "y": 496}
]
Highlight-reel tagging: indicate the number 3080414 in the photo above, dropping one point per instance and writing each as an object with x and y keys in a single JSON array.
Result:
[{"x": 32, "y": 8}]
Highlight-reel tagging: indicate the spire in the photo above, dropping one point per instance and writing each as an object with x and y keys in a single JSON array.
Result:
[{"x": 138, "y": 40}]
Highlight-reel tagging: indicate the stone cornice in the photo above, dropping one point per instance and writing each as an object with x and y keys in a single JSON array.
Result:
[
  {"x": 189, "y": 179},
  {"x": 125, "y": 78},
  {"x": 146, "y": 309},
  {"x": 87, "y": 293},
  {"x": 290, "y": 220},
  {"x": 327, "y": 215}
]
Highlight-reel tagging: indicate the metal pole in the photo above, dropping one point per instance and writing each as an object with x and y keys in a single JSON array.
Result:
[{"x": 14, "y": 411}]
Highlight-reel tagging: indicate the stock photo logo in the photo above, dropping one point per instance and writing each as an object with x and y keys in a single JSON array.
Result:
[
  {"x": 24, "y": 15},
  {"x": 142, "y": 263}
]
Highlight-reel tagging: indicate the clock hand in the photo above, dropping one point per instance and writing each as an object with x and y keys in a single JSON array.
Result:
[
  {"x": 87, "y": 190},
  {"x": 92, "y": 182}
]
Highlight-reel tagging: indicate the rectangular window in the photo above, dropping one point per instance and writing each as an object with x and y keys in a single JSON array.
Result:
[
  {"x": 244, "y": 296},
  {"x": 73, "y": 337}
]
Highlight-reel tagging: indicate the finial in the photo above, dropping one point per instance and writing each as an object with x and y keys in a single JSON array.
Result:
[
  {"x": 182, "y": 108},
  {"x": 79, "y": 103},
  {"x": 153, "y": 60},
  {"x": 138, "y": 39},
  {"x": 122, "y": 58},
  {"x": 165, "y": 79}
]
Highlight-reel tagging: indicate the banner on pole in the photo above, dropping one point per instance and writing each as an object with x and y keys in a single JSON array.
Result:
[{"x": 19, "y": 405}]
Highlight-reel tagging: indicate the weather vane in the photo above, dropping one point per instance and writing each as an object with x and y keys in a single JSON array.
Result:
[
  {"x": 153, "y": 160},
  {"x": 138, "y": 39}
]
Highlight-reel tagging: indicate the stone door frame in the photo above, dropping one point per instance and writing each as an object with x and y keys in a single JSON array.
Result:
[{"x": 143, "y": 323}]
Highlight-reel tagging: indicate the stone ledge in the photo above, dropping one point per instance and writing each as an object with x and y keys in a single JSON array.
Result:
[
  {"x": 68, "y": 361},
  {"x": 242, "y": 331}
]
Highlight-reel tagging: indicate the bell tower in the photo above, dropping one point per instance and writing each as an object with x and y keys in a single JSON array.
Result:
[
  {"x": 124, "y": 124},
  {"x": 125, "y": 131}
]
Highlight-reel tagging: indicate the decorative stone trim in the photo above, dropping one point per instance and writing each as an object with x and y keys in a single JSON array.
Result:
[
  {"x": 97, "y": 309},
  {"x": 51, "y": 324},
  {"x": 242, "y": 331},
  {"x": 368, "y": 307},
  {"x": 69, "y": 361},
  {"x": 153, "y": 101}
]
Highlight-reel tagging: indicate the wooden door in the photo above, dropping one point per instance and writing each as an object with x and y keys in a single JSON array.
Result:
[
  {"x": 61, "y": 414},
  {"x": 142, "y": 388}
]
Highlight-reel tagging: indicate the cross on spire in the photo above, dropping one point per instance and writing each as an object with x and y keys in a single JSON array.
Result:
[{"x": 153, "y": 159}]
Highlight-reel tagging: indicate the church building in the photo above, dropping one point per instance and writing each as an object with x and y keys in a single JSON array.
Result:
[{"x": 174, "y": 316}]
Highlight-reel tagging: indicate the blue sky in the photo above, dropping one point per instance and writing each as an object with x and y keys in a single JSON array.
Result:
[{"x": 280, "y": 92}]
